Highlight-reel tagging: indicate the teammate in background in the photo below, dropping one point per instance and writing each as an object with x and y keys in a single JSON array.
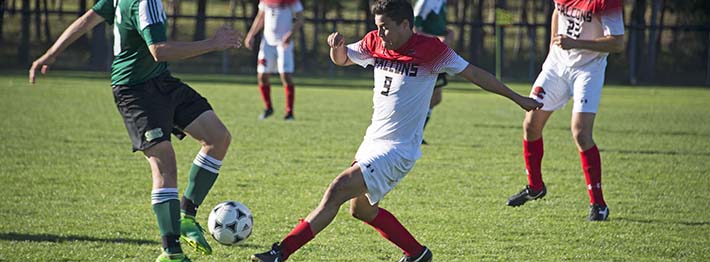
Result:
[
  {"x": 584, "y": 33},
  {"x": 430, "y": 20},
  {"x": 280, "y": 19},
  {"x": 154, "y": 104},
  {"x": 406, "y": 66}
]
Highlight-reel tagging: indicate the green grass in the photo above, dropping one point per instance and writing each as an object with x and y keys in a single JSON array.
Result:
[{"x": 74, "y": 191}]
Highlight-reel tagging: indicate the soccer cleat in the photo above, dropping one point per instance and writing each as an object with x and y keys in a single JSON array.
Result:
[
  {"x": 192, "y": 233},
  {"x": 179, "y": 257},
  {"x": 425, "y": 256},
  {"x": 526, "y": 194},
  {"x": 289, "y": 117},
  {"x": 267, "y": 113},
  {"x": 424, "y": 142},
  {"x": 273, "y": 255},
  {"x": 598, "y": 213}
]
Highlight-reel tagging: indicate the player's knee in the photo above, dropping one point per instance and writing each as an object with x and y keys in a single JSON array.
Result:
[
  {"x": 582, "y": 139},
  {"x": 361, "y": 215},
  {"x": 531, "y": 129}
]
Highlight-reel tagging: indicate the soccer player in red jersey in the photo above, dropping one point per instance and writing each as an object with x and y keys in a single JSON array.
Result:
[
  {"x": 279, "y": 19},
  {"x": 584, "y": 33},
  {"x": 406, "y": 66}
]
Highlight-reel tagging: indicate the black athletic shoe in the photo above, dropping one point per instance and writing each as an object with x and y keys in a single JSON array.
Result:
[
  {"x": 598, "y": 213},
  {"x": 424, "y": 142},
  {"x": 289, "y": 117},
  {"x": 526, "y": 194},
  {"x": 273, "y": 255},
  {"x": 267, "y": 113},
  {"x": 425, "y": 256}
]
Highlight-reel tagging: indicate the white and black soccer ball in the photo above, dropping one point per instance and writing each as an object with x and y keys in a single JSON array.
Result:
[{"x": 230, "y": 222}]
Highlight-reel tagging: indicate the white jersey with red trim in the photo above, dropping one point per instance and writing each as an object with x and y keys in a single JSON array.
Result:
[
  {"x": 404, "y": 81},
  {"x": 278, "y": 18},
  {"x": 585, "y": 20}
]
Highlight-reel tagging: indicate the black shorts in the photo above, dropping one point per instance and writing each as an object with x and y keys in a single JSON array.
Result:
[
  {"x": 155, "y": 109},
  {"x": 441, "y": 80}
]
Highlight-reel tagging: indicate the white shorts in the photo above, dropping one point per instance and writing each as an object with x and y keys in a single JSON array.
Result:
[
  {"x": 557, "y": 83},
  {"x": 275, "y": 58},
  {"x": 382, "y": 167}
]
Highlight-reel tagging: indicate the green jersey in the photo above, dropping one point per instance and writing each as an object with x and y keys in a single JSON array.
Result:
[
  {"x": 136, "y": 25},
  {"x": 430, "y": 16}
]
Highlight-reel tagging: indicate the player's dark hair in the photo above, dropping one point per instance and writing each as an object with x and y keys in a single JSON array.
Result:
[{"x": 397, "y": 10}]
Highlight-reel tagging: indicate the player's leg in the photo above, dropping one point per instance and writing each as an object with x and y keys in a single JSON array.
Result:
[
  {"x": 348, "y": 184},
  {"x": 194, "y": 116},
  {"x": 164, "y": 199},
  {"x": 286, "y": 66},
  {"x": 554, "y": 92},
  {"x": 149, "y": 127},
  {"x": 266, "y": 64},
  {"x": 389, "y": 227},
  {"x": 587, "y": 95}
]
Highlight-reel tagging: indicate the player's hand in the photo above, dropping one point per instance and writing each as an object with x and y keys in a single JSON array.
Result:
[
  {"x": 249, "y": 41},
  {"x": 41, "y": 63},
  {"x": 286, "y": 40},
  {"x": 528, "y": 103},
  {"x": 336, "y": 40},
  {"x": 564, "y": 42},
  {"x": 226, "y": 37}
]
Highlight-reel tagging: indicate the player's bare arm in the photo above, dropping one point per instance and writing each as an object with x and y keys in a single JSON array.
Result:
[
  {"x": 489, "y": 83},
  {"x": 79, "y": 27},
  {"x": 338, "y": 52},
  {"x": 256, "y": 26},
  {"x": 297, "y": 23},
  {"x": 224, "y": 38},
  {"x": 606, "y": 44}
]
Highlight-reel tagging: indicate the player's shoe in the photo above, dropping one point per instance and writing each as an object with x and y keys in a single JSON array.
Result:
[
  {"x": 267, "y": 113},
  {"x": 179, "y": 257},
  {"x": 273, "y": 255},
  {"x": 289, "y": 117},
  {"x": 526, "y": 194},
  {"x": 192, "y": 233},
  {"x": 424, "y": 142},
  {"x": 425, "y": 256},
  {"x": 598, "y": 212}
]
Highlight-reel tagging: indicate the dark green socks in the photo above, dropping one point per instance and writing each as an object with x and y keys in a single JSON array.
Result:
[{"x": 202, "y": 176}]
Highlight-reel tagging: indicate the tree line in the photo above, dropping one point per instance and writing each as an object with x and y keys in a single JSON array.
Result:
[{"x": 660, "y": 34}]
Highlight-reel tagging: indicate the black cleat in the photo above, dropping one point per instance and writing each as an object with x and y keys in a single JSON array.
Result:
[
  {"x": 267, "y": 113},
  {"x": 425, "y": 256},
  {"x": 598, "y": 212},
  {"x": 289, "y": 117},
  {"x": 273, "y": 255},
  {"x": 424, "y": 142},
  {"x": 526, "y": 194}
]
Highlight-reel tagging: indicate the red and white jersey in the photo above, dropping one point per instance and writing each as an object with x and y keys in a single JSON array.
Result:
[
  {"x": 585, "y": 20},
  {"x": 278, "y": 18},
  {"x": 404, "y": 82}
]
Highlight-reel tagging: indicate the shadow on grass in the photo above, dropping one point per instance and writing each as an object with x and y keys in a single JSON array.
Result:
[
  {"x": 655, "y": 221},
  {"x": 11, "y": 236}
]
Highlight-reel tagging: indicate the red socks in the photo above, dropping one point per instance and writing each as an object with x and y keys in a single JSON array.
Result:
[
  {"x": 592, "y": 167},
  {"x": 533, "y": 152},
  {"x": 290, "y": 92},
  {"x": 265, "y": 91},
  {"x": 298, "y": 237},
  {"x": 392, "y": 230}
]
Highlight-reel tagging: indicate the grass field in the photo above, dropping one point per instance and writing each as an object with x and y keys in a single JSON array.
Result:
[{"x": 75, "y": 192}]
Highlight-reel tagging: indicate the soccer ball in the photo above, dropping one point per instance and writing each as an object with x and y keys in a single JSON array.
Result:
[{"x": 230, "y": 222}]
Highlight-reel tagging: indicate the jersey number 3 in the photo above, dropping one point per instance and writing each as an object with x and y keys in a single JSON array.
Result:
[{"x": 386, "y": 87}]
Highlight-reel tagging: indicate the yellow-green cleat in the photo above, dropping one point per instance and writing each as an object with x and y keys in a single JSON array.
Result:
[
  {"x": 192, "y": 233},
  {"x": 179, "y": 257}
]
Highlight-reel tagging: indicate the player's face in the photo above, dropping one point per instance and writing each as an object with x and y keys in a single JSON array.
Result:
[{"x": 393, "y": 35}]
